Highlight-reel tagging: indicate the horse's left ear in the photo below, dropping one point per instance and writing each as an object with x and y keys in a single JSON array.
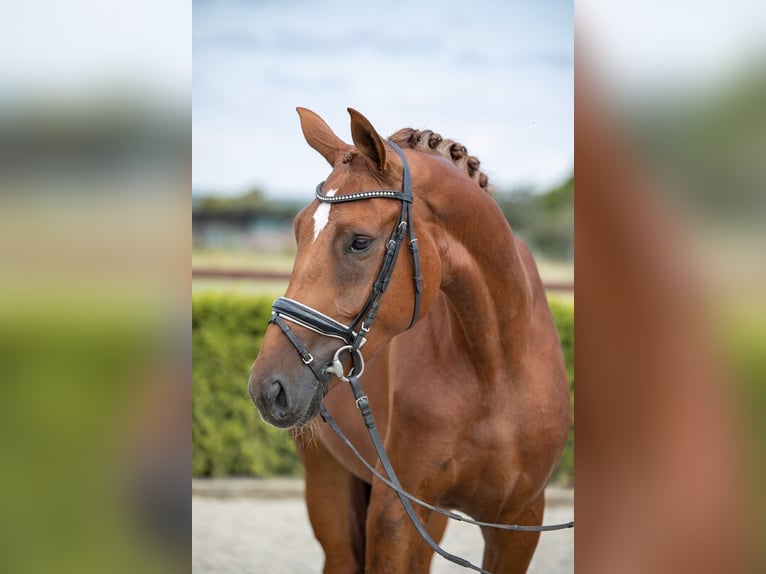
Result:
[{"x": 367, "y": 140}]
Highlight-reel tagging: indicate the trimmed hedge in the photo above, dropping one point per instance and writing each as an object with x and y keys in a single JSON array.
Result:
[
  {"x": 228, "y": 436},
  {"x": 563, "y": 314}
]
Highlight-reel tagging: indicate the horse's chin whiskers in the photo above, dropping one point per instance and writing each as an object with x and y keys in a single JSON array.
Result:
[{"x": 306, "y": 435}]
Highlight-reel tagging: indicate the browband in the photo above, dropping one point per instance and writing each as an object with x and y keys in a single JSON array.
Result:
[{"x": 378, "y": 193}]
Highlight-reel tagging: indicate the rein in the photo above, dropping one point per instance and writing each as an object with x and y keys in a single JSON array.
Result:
[{"x": 354, "y": 336}]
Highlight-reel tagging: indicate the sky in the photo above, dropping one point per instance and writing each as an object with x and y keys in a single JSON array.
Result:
[
  {"x": 495, "y": 76},
  {"x": 84, "y": 49},
  {"x": 641, "y": 48}
]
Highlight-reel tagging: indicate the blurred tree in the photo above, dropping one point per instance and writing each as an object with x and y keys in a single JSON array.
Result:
[
  {"x": 544, "y": 220},
  {"x": 253, "y": 200},
  {"x": 709, "y": 147}
]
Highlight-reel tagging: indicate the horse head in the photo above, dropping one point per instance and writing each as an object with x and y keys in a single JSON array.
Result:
[{"x": 344, "y": 243}]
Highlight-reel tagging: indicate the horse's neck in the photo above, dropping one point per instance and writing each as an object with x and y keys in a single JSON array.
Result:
[{"x": 486, "y": 285}]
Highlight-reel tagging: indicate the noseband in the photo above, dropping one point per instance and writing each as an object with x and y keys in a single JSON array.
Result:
[{"x": 354, "y": 336}]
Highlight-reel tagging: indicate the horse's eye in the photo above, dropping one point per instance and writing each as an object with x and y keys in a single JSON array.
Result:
[{"x": 360, "y": 244}]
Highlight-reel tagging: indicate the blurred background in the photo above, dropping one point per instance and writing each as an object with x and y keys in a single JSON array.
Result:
[
  {"x": 671, "y": 150},
  {"x": 96, "y": 107},
  {"x": 95, "y": 171}
]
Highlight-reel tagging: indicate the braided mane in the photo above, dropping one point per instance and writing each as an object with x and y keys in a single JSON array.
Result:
[{"x": 427, "y": 140}]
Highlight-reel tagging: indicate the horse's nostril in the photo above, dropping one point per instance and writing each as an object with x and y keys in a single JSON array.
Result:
[
  {"x": 276, "y": 396},
  {"x": 273, "y": 390}
]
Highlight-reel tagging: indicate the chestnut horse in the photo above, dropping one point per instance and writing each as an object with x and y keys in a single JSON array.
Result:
[{"x": 468, "y": 385}]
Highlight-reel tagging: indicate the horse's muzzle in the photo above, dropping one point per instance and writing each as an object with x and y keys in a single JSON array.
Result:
[{"x": 286, "y": 403}]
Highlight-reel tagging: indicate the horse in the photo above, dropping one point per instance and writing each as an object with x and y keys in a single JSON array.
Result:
[{"x": 463, "y": 368}]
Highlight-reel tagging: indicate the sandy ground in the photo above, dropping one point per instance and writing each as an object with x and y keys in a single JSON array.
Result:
[{"x": 253, "y": 527}]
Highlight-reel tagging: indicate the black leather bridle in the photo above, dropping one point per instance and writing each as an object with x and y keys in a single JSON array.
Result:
[{"x": 353, "y": 336}]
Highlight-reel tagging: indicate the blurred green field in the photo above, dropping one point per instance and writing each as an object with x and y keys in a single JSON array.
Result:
[
  {"x": 282, "y": 261},
  {"x": 239, "y": 286},
  {"x": 249, "y": 260}
]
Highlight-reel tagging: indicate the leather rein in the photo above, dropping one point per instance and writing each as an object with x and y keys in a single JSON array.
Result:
[{"x": 354, "y": 336}]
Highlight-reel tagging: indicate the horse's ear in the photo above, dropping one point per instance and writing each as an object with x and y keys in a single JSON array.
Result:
[
  {"x": 367, "y": 140},
  {"x": 319, "y": 136}
]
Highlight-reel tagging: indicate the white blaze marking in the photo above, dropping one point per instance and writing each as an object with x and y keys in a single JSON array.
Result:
[{"x": 322, "y": 214}]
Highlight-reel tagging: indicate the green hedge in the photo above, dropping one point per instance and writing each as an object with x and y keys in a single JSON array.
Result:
[
  {"x": 228, "y": 436},
  {"x": 563, "y": 314}
]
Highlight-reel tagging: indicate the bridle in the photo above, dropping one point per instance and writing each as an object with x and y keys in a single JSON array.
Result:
[{"x": 353, "y": 336}]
